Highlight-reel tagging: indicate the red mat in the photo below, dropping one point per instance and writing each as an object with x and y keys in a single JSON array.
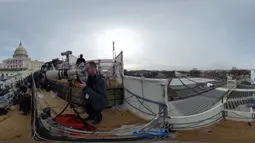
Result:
[{"x": 74, "y": 122}]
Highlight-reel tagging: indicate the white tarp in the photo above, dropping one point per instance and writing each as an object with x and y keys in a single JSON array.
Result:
[
  {"x": 150, "y": 89},
  {"x": 72, "y": 59}
]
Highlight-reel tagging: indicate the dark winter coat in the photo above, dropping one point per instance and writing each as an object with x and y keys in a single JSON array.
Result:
[{"x": 96, "y": 89}]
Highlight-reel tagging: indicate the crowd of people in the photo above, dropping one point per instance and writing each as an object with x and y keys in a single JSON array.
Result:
[
  {"x": 22, "y": 96},
  {"x": 4, "y": 91}
]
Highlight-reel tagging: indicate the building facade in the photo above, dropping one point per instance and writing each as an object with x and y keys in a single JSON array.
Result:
[
  {"x": 19, "y": 64},
  {"x": 21, "y": 60}
]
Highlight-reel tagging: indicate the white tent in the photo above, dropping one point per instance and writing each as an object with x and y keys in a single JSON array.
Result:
[{"x": 72, "y": 59}]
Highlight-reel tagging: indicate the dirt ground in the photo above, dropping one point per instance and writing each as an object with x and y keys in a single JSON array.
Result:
[{"x": 223, "y": 132}]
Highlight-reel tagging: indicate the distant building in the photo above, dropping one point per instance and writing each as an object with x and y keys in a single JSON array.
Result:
[
  {"x": 1, "y": 65},
  {"x": 181, "y": 74},
  {"x": 19, "y": 64},
  {"x": 21, "y": 61},
  {"x": 160, "y": 75},
  {"x": 234, "y": 68}
]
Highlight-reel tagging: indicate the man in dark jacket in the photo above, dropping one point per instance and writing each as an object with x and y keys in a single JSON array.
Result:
[
  {"x": 95, "y": 93},
  {"x": 80, "y": 60}
]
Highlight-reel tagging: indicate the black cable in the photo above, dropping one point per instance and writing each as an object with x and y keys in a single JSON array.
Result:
[
  {"x": 152, "y": 113},
  {"x": 198, "y": 122},
  {"x": 63, "y": 109},
  {"x": 197, "y": 93},
  {"x": 144, "y": 105},
  {"x": 141, "y": 103}
]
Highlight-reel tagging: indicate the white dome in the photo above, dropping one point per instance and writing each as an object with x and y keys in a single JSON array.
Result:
[{"x": 20, "y": 51}]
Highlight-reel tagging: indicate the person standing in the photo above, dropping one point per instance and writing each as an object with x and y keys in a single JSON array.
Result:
[{"x": 80, "y": 60}]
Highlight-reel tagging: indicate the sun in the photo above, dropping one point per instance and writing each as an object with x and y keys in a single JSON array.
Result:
[{"x": 125, "y": 40}]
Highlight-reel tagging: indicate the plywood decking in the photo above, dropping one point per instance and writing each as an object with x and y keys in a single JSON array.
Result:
[
  {"x": 112, "y": 118},
  {"x": 223, "y": 132},
  {"x": 15, "y": 127}
]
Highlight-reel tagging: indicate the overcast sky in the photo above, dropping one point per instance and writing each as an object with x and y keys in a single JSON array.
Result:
[{"x": 154, "y": 34}]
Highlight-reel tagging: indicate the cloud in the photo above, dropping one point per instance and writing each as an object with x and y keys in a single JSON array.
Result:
[{"x": 176, "y": 34}]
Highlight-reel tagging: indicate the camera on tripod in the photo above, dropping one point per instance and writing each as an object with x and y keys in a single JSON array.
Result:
[
  {"x": 67, "y": 53},
  {"x": 66, "y": 71}
]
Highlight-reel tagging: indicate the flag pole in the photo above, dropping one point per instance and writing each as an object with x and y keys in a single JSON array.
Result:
[
  {"x": 113, "y": 49},
  {"x": 113, "y": 68}
]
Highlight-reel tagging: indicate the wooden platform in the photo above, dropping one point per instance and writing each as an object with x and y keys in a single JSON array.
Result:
[
  {"x": 114, "y": 92},
  {"x": 112, "y": 118},
  {"x": 15, "y": 127},
  {"x": 223, "y": 132}
]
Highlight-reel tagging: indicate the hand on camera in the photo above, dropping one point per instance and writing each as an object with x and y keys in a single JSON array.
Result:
[
  {"x": 79, "y": 84},
  {"x": 82, "y": 85}
]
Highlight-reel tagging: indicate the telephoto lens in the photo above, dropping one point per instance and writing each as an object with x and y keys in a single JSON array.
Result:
[
  {"x": 78, "y": 74},
  {"x": 81, "y": 72}
]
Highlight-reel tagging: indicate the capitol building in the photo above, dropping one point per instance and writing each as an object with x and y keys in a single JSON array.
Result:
[{"x": 18, "y": 66}]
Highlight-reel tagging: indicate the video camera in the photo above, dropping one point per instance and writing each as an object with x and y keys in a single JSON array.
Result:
[
  {"x": 76, "y": 74},
  {"x": 67, "y": 53},
  {"x": 65, "y": 70}
]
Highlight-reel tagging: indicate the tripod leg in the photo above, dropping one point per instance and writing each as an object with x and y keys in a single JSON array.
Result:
[{"x": 70, "y": 93}]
